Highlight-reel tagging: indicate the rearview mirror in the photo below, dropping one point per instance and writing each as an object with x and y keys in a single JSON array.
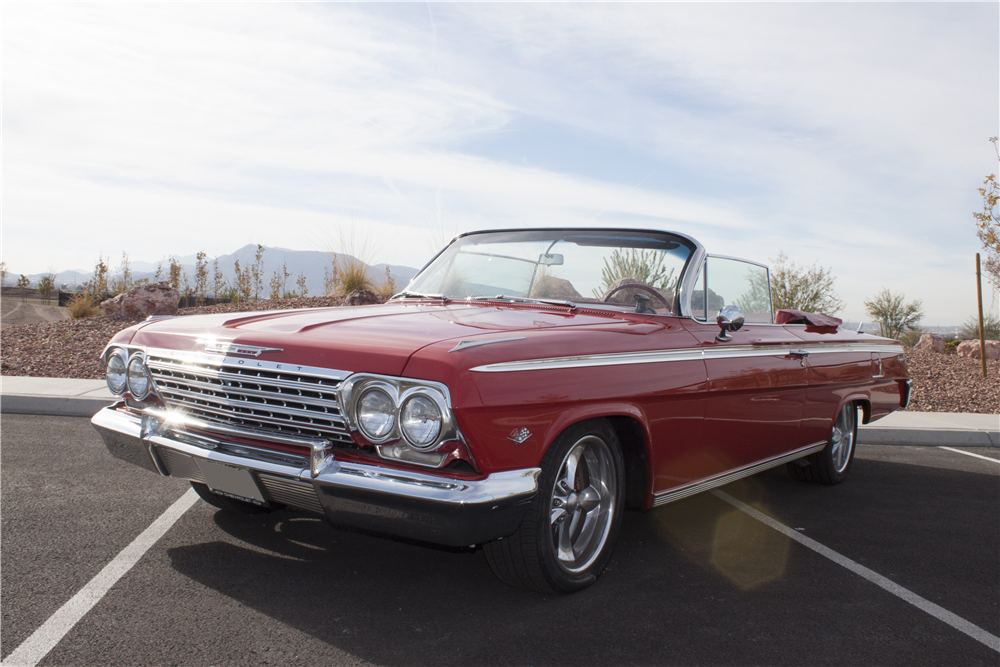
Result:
[{"x": 550, "y": 259}]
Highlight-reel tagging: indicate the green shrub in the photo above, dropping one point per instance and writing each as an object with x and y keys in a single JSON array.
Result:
[{"x": 951, "y": 347}]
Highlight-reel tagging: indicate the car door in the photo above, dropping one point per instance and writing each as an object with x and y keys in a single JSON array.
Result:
[{"x": 757, "y": 380}]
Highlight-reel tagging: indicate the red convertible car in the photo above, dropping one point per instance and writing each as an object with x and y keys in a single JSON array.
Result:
[{"x": 525, "y": 389}]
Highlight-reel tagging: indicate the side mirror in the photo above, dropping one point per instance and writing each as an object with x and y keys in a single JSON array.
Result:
[{"x": 730, "y": 319}]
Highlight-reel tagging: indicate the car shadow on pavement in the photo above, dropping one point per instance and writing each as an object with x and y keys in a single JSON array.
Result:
[{"x": 694, "y": 582}]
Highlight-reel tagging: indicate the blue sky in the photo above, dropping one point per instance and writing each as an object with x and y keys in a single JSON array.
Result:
[{"x": 853, "y": 135}]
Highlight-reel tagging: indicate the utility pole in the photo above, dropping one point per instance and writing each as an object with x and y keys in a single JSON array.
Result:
[{"x": 982, "y": 332}]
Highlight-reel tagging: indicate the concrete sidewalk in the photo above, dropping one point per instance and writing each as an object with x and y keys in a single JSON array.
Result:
[{"x": 83, "y": 398}]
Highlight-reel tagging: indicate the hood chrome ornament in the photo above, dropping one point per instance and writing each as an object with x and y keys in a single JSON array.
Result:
[{"x": 242, "y": 350}]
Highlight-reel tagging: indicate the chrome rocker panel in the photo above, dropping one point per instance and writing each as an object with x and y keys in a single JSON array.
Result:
[{"x": 420, "y": 506}]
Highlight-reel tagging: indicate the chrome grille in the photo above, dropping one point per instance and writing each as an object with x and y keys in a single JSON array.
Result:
[{"x": 264, "y": 399}]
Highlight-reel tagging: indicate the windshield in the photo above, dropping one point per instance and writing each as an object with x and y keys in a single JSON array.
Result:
[{"x": 583, "y": 266}]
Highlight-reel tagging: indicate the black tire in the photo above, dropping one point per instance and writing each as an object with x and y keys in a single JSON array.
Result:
[
  {"x": 565, "y": 540},
  {"x": 833, "y": 463},
  {"x": 228, "y": 504}
]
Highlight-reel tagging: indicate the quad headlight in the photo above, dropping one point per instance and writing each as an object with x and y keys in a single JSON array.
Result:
[
  {"x": 115, "y": 373},
  {"x": 376, "y": 414},
  {"x": 414, "y": 413},
  {"x": 420, "y": 421},
  {"x": 138, "y": 378}
]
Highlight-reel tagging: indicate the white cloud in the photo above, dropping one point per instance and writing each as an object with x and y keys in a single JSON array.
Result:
[{"x": 850, "y": 134}]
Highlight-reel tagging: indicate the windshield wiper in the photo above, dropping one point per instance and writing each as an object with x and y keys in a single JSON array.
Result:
[
  {"x": 418, "y": 295},
  {"x": 523, "y": 299}
]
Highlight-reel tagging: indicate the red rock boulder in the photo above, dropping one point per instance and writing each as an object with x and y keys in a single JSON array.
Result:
[
  {"x": 142, "y": 301},
  {"x": 930, "y": 343},
  {"x": 970, "y": 348}
]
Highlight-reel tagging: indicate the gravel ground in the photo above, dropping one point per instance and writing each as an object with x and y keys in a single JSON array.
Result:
[{"x": 69, "y": 348}]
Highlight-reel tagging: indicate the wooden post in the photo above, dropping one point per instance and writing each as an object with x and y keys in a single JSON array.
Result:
[{"x": 982, "y": 332}]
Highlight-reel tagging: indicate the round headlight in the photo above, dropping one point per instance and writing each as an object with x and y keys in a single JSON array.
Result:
[
  {"x": 420, "y": 421},
  {"x": 116, "y": 374},
  {"x": 138, "y": 380},
  {"x": 376, "y": 414}
]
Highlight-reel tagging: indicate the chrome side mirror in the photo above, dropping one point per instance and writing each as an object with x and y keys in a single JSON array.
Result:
[{"x": 730, "y": 319}]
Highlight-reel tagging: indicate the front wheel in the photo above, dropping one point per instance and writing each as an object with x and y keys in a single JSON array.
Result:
[
  {"x": 565, "y": 541},
  {"x": 831, "y": 465}
]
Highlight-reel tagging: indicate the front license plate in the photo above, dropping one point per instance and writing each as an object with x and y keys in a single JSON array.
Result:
[{"x": 230, "y": 481}]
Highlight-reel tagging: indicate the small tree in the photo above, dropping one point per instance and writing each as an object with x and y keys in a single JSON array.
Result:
[
  {"x": 45, "y": 286},
  {"x": 243, "y": 287},
  {"x": 330, "y": 279},
  {"x": 275, "y": 286},
  {"x": 175, "y": 273},
  {"x": 123, "y": 276},
  {"x": 892, "y": 315},
  {"x": 201, "y": 276},
  {"x": 218, "y": 280},
  {"x": 301, "y": 282},
  {"x": 22, "y": 284},
  {"x": 988, "y": 224},
  {"x": 3, "y": 274},
  {"x": 809, "y": 289},
  {"x": 97, "y": 287},
  {"x": 257, "y": 272},
  {"x": 159, "y": 272}
]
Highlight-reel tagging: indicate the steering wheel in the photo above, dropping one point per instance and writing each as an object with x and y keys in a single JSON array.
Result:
[{"x": 637, "y": 287}]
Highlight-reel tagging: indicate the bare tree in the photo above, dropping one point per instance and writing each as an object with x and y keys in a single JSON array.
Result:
[
  {"x": 123, "y": 276},
  {"x": 218, "y": 280},
  {"x": 301, "y": 282},
  {"x": 257, "y": 272},
  {"x": 892, "y": 315},
  {"x": 275, "y": 286},
  {"x": 3, "y": 274},
  {"x": 988, "y": 224},
  {"x": 175, "y": 273},
  {"x": 201, "y": 276}
]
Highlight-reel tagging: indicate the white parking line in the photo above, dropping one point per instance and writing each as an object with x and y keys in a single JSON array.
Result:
[
  {"x": 44, "y": 639},
  {"x": 978, "y": 456},
  {"x": 923, "y": 604}
]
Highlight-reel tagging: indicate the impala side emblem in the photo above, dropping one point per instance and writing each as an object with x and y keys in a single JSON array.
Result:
[
  {"x": 243, "y": 350},
  {"x": 519, "y": 435}
]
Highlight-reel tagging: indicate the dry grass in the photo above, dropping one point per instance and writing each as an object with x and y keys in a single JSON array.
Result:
[
  {"x": 352, "y": 248},
  {"x": 82, "y": 305}
]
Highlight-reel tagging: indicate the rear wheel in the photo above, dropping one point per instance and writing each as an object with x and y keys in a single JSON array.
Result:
[
  {"x": 565, "y": 541},
  {"x": 831, "y": 465},
  {"x": 224, "y": 503}
]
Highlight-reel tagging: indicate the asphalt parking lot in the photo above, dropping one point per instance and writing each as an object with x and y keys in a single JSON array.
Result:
[{"x": 700, "y": 581}]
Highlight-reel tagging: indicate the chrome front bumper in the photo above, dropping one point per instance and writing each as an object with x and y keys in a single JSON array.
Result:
[{"x": 419, "y": 506}]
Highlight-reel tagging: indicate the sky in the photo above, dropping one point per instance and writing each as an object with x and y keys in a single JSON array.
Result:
[{"x": 849, "y": 135}]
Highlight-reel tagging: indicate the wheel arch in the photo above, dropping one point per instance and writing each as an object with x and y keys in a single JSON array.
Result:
[{"x": 629, "y": 424}]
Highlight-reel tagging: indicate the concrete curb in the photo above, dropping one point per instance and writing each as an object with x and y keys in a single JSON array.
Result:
[
  {"x": 911, "y": 437},
  {"x": 59, "y": 406}
]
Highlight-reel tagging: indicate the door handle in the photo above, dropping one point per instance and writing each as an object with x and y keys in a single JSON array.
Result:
[{"x": 801, "y": 355}]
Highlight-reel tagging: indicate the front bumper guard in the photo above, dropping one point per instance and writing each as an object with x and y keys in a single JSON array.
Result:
[{"x": 415, "y": 505}]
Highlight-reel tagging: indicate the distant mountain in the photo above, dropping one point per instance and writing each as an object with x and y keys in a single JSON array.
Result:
[{"x": 310, "y": 263}]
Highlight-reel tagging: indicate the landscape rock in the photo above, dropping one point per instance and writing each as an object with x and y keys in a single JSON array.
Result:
[
  {"x": 362, "y": 297},
  {"x": 970, "y": 348},
  {"x": 930, "y": 343},
  {"x": 142, "y": 301}
]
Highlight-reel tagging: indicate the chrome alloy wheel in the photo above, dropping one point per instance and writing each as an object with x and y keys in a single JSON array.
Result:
[
  {"x": 842, "y": 438},
  {"x": 583, "y": 504}
]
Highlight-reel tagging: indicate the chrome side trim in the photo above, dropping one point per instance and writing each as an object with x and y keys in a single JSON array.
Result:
[
  {"x": 670, "y": 496},
  {"x": 465, "y": 344},
  {"x": 683, "y": 354}
]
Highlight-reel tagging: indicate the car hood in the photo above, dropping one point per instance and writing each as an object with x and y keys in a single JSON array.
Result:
[{"x": 373, "y": 339}]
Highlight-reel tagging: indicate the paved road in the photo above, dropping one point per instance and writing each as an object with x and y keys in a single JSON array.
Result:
[{"x": 696, "y": 582}]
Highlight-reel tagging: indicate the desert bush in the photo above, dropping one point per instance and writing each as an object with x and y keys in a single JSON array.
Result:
[
  {"x": 645, "y": 266},
  {"x": 82, "y": 305},
  {"x": 911, "y": 337},
  {"x": 387, "y": 285},
  {"x": 951, "y": 346},
  {"x": 991, "y": 328},
  {"x": 351, "y": 251}
]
